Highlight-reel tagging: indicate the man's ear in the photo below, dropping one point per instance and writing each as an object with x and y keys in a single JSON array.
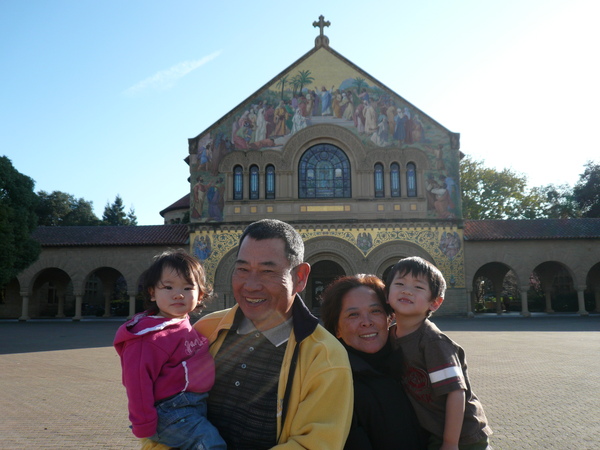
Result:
[
  {"x": 302, "y": 271},
  {"x": 435, "y": 304}
]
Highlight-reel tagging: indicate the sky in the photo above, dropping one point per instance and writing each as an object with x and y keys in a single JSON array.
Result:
[{"x": 99, "y": 97}]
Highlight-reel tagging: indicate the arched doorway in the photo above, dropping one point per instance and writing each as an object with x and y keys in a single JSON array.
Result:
[
  {"x": 52, "y": 294},
  {"x": 321, "y": 274}
]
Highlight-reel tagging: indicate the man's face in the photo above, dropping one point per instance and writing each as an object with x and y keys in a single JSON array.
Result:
[{"x": 264, "y": 284}]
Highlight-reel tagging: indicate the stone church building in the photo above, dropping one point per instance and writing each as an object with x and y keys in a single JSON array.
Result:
[{"x": 366, "y": 177}]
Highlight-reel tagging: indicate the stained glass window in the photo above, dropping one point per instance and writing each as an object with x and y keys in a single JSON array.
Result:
[
  {"x": 270, "y": 182},
  {"x": 324, "y": 172},
  {"x": 379, "y": 180},
  {"x": 238, "y": 183},
  {"x": 395, "y": 179},
  {"x": 253, "y": 183},
  {"x": 411, "y": 180}
]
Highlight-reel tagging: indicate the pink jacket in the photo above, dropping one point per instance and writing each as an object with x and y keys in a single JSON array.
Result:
[{"x": 160, "y": 357}]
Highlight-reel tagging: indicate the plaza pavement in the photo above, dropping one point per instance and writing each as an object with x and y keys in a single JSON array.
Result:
[{"x": 538, "y": 379}]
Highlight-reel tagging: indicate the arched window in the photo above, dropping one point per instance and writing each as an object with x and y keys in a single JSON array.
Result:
[
  {"x": 379, "y": 180},
  {"x": 270, "y": 182},
  {"x": 411, "y": 180},
  {"x": 324, "y": 172},
  {"x": 253, "y": 182},
  {"x": 395, "y": 180},
  {"x": 238, "y": 183}
]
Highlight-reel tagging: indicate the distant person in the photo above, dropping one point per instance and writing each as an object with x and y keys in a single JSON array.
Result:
[
  {"x": 167, "y": 367},
  {"x": 431, "y": 366}
]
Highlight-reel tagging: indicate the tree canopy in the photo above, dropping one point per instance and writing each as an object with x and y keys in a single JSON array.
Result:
[
  {"x": 17, "y": 221},
  {"x": 586, "y": 192},
  {"x": 114, "y": 214},
  {"x": 62, "y": 209},
  {"x": 489, "y": 194}
]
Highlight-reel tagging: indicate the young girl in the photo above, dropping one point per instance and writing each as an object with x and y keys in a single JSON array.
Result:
[{"x": 167, "y": 369}]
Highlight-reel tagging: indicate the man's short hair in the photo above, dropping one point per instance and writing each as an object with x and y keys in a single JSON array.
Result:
[{"x": 276, "y": 229}]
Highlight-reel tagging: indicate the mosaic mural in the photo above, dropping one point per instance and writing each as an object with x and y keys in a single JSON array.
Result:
[
  {"x": 444, "y": 246},
  {"x": 322, "y": 89}
]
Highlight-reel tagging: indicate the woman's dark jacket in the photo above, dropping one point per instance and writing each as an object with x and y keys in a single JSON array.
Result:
[{"x": 383, "y": 416}]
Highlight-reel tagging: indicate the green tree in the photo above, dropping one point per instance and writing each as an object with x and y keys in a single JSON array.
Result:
[
  {"x": 559, "y": 202},
  {"x": 17, "y": 221},
  {"x": 587, "y": 190},
  {"x": 114, "y": 214},
  {"x": 359, "y": 83},
  {"x": 489, "y": 194},
  {"x": 281, "y": 83},
  {"x": 62, "y": 209},
  {"x": 303, "y": 78}
]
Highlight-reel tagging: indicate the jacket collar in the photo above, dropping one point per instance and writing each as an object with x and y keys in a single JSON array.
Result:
[{"x": 304, "y": 322}]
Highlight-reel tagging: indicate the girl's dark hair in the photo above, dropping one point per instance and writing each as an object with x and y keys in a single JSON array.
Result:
[
  {"x": 331, "y": 299},
  {"x": 185, "y": 265}
]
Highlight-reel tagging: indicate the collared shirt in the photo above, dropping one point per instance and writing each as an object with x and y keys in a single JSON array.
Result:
[
  {"x": 243, "y": 402},
  {"x": 277, "y": 336}
]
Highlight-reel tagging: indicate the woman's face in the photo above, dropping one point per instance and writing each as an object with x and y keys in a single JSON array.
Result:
[{"x": 363, "y": 323}]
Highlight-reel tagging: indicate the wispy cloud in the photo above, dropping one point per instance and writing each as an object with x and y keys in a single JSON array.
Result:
[{"x": 166, "y": 79}]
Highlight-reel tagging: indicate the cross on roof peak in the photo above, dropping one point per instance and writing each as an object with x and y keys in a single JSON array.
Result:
[{"x": 322, "y": 23}]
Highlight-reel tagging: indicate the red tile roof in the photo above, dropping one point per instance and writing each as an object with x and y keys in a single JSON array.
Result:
[
  {"x": 182, "y": 203},
  {"x": 503, "y": 230},
  {"x": 475, "y": 230},
  {"x": 112, "y": 235}
]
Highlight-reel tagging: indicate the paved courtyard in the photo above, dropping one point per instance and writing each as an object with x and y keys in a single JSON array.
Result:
[{"x": 538, "y": 379}]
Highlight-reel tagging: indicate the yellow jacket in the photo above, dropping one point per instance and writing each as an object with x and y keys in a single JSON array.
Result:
[{"x": 320, "y": 404}]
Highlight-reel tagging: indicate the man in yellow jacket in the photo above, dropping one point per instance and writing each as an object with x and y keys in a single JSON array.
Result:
[{"x": 282, "y": 380}]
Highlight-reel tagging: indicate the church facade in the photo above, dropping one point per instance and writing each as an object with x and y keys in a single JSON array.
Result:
[{"x": 365, "y": 177}]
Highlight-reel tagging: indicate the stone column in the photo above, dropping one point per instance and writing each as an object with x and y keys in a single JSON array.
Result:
[
  {"x": 61, "y": 307},
  {"x": 548, "y": 295},
  {"x": 470, "y": 303},
  {"x": 131, "y": 305},
  {"x": 499, "y": 302},
  {"x": 581, "y": 300},
  {"x": 107, "y": 294},
  {"x": 78, "y": 301},
  {"x": 25, "y": 308},
  {"x": 524, "y": 307}
]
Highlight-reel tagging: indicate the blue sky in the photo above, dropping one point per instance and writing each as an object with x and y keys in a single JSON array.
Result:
[{"x": 98, "y": 98}]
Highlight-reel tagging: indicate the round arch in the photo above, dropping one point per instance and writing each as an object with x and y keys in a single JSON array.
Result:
[
  {"x": 487, "y": 287},
  {"x": 386, "y": 255},
  {"x": 222, "y": 282},
  {"x": 322, "y": 273},
  {"x": 51, "y": 294},
  {"x": 553, "y": 288},
  {"x": 593, "y": 288}
]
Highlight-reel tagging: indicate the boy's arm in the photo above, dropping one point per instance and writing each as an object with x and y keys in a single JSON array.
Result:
[{"x": 455, "y": 412}]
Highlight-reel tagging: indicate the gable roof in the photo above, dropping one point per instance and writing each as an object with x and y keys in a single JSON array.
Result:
[
  {"x": 324, "y": 45},
  {"x": 538, "y": 229},
  {"x": 91, "y": 236}
]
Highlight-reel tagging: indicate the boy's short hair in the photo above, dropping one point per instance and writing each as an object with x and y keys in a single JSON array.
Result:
[
  {"x": 185, "y": 265},
  {"x": 418, "y": 267}
]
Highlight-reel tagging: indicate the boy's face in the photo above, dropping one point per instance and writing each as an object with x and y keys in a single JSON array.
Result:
[{"x": 411, "y": 296}]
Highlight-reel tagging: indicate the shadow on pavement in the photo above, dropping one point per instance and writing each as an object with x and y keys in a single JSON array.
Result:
[
  {"x": 44, "y": 336},
  {"x": 50, "y": 335}
]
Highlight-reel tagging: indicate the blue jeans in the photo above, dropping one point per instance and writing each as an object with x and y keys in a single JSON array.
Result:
[{"x": 182, "y": 423}]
